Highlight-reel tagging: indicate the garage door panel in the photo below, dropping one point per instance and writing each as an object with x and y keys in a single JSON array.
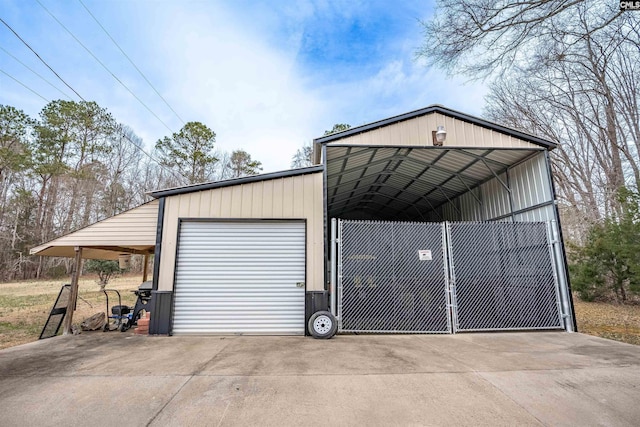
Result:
[{"x": 240, "y": 278}]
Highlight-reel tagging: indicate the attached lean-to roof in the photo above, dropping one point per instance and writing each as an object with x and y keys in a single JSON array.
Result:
[
  {"x": 549, "y": 145},
  {"x": 132, "y": 231},
  {"x": 235, "y": 181}
]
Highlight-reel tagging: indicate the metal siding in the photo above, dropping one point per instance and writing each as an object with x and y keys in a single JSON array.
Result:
[
  {"x": 449, "y": 213},
  {"x": 134, "y": 228},
  {"x": 240, "y": 278},
  {"x": 542, "y": 214},
  {"x": 469, "y": 207},
  {"x": 495, "y": 198},
  {"x": 280, "y": 199},
  {"x": 417, "y": 132},
  {"x": 530, "y": 183},
  {"x": 529, "y": 187}
]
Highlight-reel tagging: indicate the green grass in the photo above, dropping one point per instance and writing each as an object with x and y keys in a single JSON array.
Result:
[
  {"x": 25, "y": 328},
  {"x": 14, "y": 303}
]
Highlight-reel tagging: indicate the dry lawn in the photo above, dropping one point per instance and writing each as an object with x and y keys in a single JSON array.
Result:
[
  {"x": 615, "y": 322},
  {"x": 25, "y": 306}
]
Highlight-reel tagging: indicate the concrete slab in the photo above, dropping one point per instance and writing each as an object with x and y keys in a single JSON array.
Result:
[
  {"x": 600, "y": 396},
  {"x": 354, "y": 354},
  {"x": 84, "y": 401},
  {"x": 413, "y": 399},
  {"x": 548, "y": 378}
]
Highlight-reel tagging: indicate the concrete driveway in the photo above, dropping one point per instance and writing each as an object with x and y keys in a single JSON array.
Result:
[{"x": 116, "y": 379}]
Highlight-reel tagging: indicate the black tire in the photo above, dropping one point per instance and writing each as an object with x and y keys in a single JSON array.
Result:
[
  {"x": 105, "y": 328},
  {"x": 322, "y": 325},
  {"x": 123, "y": 327}
]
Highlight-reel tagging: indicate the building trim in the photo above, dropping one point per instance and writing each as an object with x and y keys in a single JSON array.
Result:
[
  {"x": 158, "y": 248},
  {"x": 561, "y": 236}
]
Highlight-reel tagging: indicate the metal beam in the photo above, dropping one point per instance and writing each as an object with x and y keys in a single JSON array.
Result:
[
  {"x": 340, "y": 183},
  {"x": 365, "y": 169},
  {"x": 121, "y": 249},
  {"x": 355, "y": 205},
  {"x": 484, "y": 156},
  {"x": 496, "y": 175}
]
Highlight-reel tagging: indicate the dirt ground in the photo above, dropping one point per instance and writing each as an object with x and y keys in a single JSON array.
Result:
[
  {"x": 612, "y": 321},
  {"x": 24, "y": 307}
]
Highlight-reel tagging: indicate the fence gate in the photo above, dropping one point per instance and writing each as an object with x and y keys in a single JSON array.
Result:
[
  {"x": 391, "y": 278},
  {"x": 502, "y": 276},
  {"x": 407, "y": 277}
]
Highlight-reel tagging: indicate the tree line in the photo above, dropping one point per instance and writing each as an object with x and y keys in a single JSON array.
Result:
[
  {"x": 75, "y": 164},
  {"x": 567, "y": 71}
]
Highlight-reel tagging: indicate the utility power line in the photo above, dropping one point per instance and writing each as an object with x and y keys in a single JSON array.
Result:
[
  {"x": 36, "y": 73},
  {"x": 131, "y": 61},
  {"x": 175, "y": 175},
  {"x": 40, "y": 58},
  {"x": 105, "y": 67},
  {"x": 23, "y": 85}
]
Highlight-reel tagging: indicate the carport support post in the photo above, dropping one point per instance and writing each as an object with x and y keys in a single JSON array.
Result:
[
  {"x": 73, "y": 295},
  {"x": 145, "y": 267}
]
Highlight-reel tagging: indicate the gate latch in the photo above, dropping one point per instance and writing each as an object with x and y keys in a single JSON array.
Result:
[{"x": 300, "y": 284}]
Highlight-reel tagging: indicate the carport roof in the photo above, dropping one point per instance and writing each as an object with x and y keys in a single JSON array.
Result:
[
  {"x": 409, "y": 182},
  {"x": 132, "y": 231},
  {"x": 445, "y": 111}
]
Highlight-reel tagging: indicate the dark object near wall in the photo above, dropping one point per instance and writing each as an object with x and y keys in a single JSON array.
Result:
[
  {"x": 314, "y": 301},
  {"x": 161, "y": 304}
]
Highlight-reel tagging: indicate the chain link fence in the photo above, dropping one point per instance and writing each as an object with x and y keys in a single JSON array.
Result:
[
  {"x": 502, "y": 276},
  {"x": 409, "y": 277},
  {"x": 392, "y": 278}
]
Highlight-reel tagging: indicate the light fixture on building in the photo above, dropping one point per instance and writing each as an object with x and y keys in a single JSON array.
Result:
[{"x": 439, "y": 136}]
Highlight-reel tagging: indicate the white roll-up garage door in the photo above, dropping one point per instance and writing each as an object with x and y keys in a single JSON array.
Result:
[{"x": 240, "y": 278}]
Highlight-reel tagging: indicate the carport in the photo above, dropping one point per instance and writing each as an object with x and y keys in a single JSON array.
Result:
[
  {"x": 482, "y": 196},
  {"x": 130, "y": 232}
]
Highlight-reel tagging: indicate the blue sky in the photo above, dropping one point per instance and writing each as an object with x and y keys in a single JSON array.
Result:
[{"x": 266, "y": 76}]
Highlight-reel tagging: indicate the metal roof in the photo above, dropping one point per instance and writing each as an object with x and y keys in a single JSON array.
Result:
[
  {"x": 408, "y": 182},
  {"x": 133, "y": 231},
  {"x": 235, "y": 181},
  {"x": 445, "y": 111}
]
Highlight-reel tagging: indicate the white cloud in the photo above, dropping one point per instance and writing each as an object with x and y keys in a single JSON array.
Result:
[
  {"x": 242, "y": 87},
  {"x": 400, "y": 86},
  {"x": 238, "y": 68}
]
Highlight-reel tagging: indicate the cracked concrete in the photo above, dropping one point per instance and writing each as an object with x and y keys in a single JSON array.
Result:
[{"x": 535, "y": 378}]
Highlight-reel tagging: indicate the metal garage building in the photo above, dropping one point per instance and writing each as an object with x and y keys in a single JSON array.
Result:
[{"x": 411, "y": 233}]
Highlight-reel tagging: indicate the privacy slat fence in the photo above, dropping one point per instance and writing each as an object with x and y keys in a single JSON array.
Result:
[{"x": 410, "y": 277}]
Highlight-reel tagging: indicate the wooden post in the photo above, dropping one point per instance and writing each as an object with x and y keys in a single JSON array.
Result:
[
  {"x": 145, "y": 267},
  {"x": 73, "y": 295}
]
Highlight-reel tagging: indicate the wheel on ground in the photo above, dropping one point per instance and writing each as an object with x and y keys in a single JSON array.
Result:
[
  {"x": 322, "y": 325},
  {"x": 123, "y": 327},
  {"x": 105, "y": 327}
]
